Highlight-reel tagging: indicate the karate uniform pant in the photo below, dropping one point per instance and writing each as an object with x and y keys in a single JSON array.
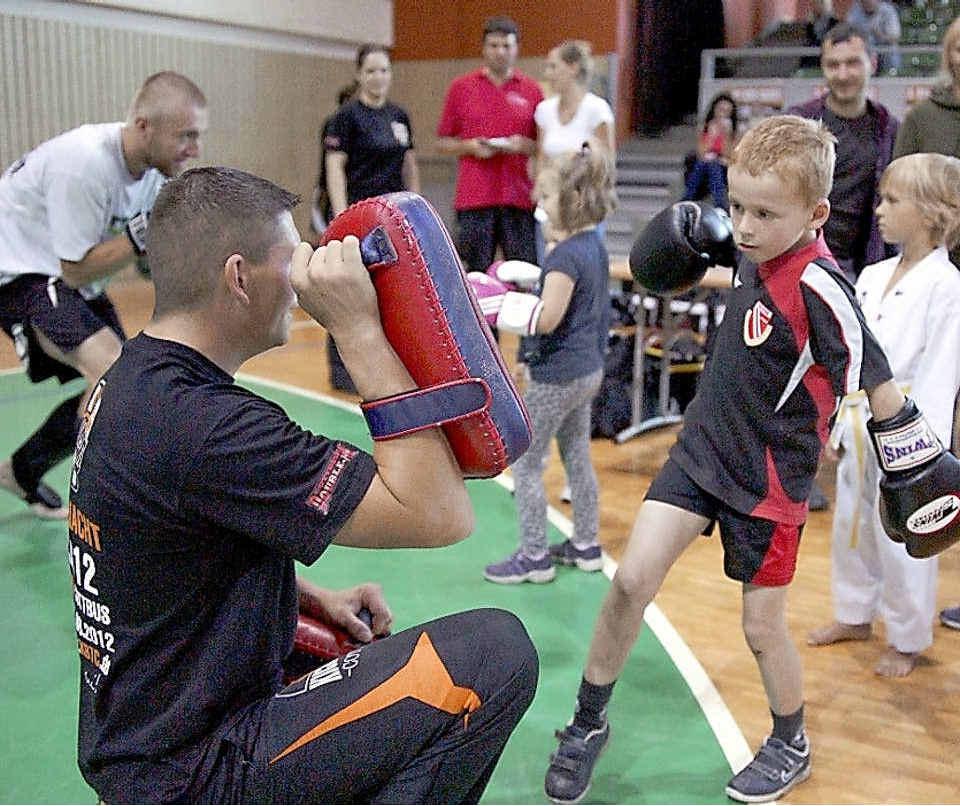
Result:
[{"x": 872, "y": 575}]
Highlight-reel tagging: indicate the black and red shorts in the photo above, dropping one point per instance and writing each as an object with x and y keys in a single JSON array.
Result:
[{"x": 755, "y": 550}]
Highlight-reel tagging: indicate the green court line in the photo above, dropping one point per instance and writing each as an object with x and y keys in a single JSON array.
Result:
[{"x": 662, "y": 748}]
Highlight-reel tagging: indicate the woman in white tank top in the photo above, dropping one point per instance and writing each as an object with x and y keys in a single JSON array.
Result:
[{"x": 567, "y": 119}]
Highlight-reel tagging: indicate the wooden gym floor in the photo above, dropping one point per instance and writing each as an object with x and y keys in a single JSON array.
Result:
[{"x": 874, "y": 740}]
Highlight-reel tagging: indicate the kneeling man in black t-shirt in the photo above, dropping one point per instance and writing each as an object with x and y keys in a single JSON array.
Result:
[{"x": 191, "y": 497}]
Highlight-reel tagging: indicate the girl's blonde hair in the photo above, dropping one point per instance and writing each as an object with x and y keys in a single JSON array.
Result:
[
  {"x": 932, "y": 182},
  {"x": 585, "y": 187}
]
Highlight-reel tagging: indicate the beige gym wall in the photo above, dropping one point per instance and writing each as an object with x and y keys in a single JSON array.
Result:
[{"x": 65, "y": 64}]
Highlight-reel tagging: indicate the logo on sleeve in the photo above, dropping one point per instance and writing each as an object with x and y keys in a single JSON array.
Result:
[
  {"x": 83, "y": 435},
  {"x": 400, "y": 132},
  {"x": 757, "y": 324},
  {"x": 322, "y": 493}
]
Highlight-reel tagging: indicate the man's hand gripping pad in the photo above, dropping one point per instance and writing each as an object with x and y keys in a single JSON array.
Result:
[
  {"x": 315, "y": 643},
  {"x": 432, "y": 319}
]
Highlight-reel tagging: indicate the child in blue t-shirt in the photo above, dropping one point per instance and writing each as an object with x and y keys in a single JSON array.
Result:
[{"x": 563, "y": 362}]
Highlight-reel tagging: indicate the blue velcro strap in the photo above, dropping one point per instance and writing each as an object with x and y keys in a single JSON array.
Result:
[
  {"x": 399, "y": 415},
  {"x": 375, "y": 248}
]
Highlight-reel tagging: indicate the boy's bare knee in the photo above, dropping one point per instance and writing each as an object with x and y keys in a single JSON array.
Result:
[
  {"x": 761, "y": 635},
  {"x": 634, "y": 585}
]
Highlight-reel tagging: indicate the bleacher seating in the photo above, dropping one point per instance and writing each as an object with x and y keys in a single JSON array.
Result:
[{"x": 924, "y": 21}]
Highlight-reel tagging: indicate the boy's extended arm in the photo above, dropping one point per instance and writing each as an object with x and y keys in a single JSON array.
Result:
[
  {"x": 919, "y": 504},
  {"x": 885, "y": 400}
]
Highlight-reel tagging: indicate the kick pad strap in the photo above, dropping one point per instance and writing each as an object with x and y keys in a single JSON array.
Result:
[{"x": 407, "y": 413}]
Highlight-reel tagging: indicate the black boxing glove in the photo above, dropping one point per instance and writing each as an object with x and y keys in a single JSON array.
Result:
[
  {"x": 679, "y": 244},
  {"x": 137, "y": 231},
  {"x": 920, "y": 488}
]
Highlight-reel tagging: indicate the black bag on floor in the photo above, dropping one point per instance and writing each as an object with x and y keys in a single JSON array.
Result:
[{"x": 610, "y": 413}]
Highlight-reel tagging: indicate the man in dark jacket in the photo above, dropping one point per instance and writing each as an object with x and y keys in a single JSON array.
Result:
[
  {"x": 933, "y": 125},
  {"x": 865, "y": 133}
]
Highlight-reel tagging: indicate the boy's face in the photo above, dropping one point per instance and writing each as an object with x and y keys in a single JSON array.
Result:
[
  {"x": 952, "y": 58},
  {"x": 174, "y": 138},
  {"x": 768, "y": 216}
]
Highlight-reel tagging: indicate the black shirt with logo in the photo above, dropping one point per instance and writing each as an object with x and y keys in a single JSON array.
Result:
[
  {"x": 191, "y": 497},
  {"x": 375, "y": 140},
  {"x": 793, "y": 341}
]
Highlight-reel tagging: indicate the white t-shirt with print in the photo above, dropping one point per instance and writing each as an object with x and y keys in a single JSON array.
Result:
[{"x": 66, "y": 196}]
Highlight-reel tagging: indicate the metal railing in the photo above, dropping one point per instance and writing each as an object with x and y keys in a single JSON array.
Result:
[{"x": 764, "y": 80}]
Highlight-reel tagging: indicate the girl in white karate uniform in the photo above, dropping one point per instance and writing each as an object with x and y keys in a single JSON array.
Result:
[{"x": 912, "y": 305}]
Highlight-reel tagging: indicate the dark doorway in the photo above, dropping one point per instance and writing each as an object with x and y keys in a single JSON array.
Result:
[{"x": 670, "y": 37}]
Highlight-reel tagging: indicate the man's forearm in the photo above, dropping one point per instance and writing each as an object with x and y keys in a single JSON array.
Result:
[{"x": 101, "y": 261}]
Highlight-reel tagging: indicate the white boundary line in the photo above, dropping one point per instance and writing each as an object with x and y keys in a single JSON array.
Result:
[
  {"x": 732, "y": 742},
  {"x": 299, "y": 390},
  {"x": 729, "y": 736}
]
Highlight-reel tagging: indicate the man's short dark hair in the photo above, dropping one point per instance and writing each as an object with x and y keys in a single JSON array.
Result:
[
  {"x": 500, "y": 25},
  {"x": 199, "y": 220},
  {"x": 844, "y": 32}
]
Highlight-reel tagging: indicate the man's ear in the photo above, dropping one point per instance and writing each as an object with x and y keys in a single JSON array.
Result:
[
  {"x": 821, "y": 212},
  {"x": 236, "y": 278}
]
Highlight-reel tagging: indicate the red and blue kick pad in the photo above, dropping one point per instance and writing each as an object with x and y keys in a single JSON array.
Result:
[{"x": 434, "y": 323}]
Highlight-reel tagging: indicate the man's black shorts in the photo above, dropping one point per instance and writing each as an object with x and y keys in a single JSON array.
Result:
[
  {"x": 755, "y": 550},
  {"x": 58, "y": 311},
  {"x": 480, "y": 231}
]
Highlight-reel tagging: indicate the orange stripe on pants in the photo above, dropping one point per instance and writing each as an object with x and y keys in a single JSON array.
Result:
[{"x": 423, "y": 677}]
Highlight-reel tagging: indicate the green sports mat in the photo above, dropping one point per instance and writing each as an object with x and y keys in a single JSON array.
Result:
[{"x": 662, "y": 749}]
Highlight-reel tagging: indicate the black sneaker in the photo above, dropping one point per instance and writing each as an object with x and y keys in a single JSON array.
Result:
[
  {"x": 776, "y": 769},
  {"x": 571, "y": 766},
  {"x": 43, "y": 501},
  {"x": 950, "y": 617}
]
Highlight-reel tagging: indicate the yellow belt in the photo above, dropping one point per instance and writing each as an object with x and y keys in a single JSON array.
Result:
[{"x": 848, "y": 417}]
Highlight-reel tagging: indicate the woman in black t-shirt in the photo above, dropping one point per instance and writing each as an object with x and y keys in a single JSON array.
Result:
[{"x": 369, "y": 144}]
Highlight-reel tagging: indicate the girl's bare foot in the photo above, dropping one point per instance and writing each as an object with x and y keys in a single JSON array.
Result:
[
  {"x": 836, "y": 632},
  {"x": 896, "y": 664}
]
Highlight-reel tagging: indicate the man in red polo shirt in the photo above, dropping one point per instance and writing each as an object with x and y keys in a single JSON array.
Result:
[{"x": 487, "y": 122}]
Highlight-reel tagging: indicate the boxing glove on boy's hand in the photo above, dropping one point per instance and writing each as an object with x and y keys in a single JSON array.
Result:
[
  {"x": 504, "y": 309},
  {"x": 679, "y": 244},
  {"x": 920, "y": 488}
]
